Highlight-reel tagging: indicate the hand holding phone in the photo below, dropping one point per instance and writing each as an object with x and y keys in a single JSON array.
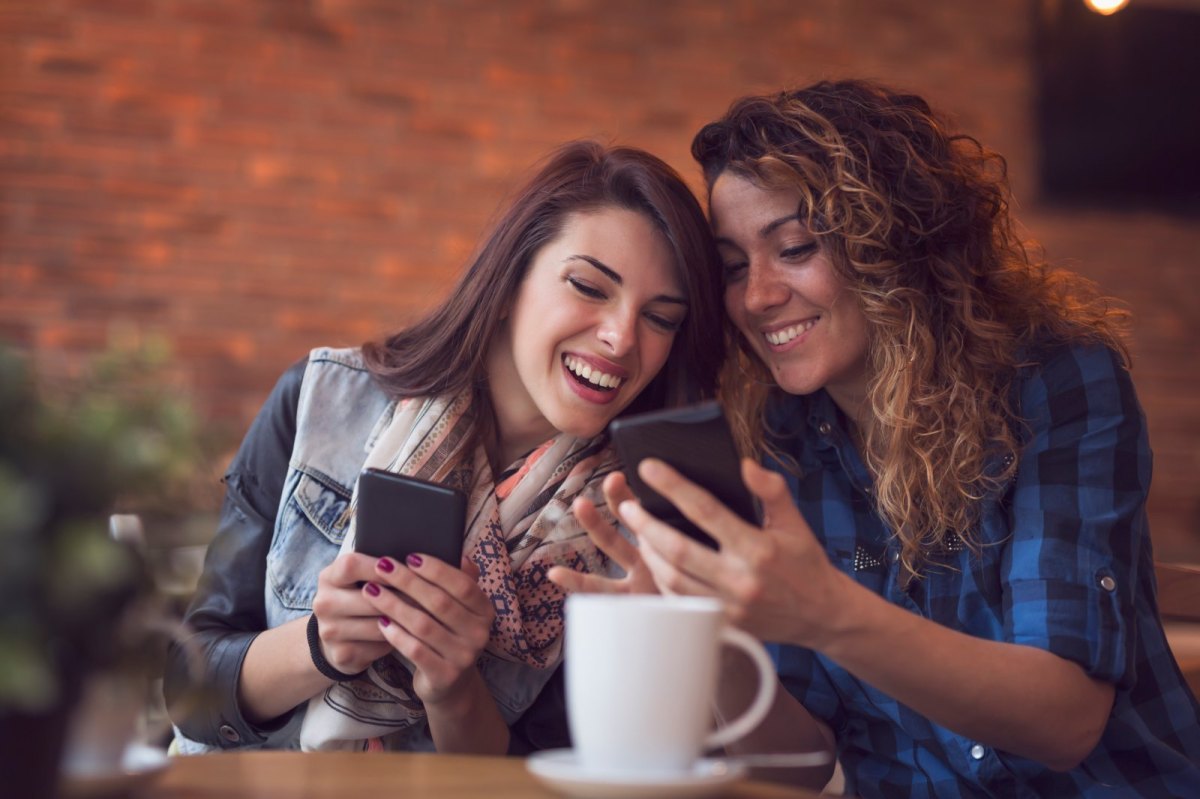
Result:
[
  {"x": 399, "y": 515},
  {"x": 695, "y": 441}
]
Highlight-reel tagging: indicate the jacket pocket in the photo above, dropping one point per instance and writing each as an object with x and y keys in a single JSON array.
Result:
[{"x": 308, "y": 536}]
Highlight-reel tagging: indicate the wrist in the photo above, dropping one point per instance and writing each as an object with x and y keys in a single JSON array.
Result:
[
  {"x": 318, "y": 655},
  {"x": 844, "y": 615},
  {"x": 459, "y": 700}
]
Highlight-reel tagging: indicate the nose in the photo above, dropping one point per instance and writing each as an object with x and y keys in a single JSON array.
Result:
[
  {"x": 765, "y": 288},
  {"x": 618, "y": 331}
]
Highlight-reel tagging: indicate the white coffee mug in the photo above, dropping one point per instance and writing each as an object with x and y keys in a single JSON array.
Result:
[{"x": 642, "y": 677}]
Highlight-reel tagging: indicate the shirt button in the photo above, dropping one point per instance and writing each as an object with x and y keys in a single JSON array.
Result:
[
  {"x": 977, "y": 752},
  {"x": 824, "y": 428},
  {"x": 1108, "y": 583},
  {"x": 229, "y": 733}
]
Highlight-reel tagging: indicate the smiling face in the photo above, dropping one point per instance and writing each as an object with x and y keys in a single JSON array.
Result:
[
  {"x": 784, "y": 296},
  {"x": 591, "y": 326}
]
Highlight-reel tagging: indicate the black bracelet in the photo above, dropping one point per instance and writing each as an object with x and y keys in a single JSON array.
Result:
[{"x": 318, "y": 659}]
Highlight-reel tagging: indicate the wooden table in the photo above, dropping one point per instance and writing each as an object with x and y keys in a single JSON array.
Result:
[{"x": 296, "y": 775}]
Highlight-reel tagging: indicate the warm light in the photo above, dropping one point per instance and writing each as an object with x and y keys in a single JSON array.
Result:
[{"x": 1106, "y": 7}]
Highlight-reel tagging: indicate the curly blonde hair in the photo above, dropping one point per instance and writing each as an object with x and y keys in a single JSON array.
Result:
[{"x": 917, "y": 223}]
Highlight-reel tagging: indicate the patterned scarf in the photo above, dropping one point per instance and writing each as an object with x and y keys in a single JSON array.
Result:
[{"x": 516, "y": 530}]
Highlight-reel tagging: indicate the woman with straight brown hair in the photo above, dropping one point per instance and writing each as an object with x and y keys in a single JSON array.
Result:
[{"x": 594, "y": 295}]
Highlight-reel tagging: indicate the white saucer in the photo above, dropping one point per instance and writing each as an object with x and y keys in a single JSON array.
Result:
[
  {"x": 140, "y": 765},
  {"x": 559, "y": 769}
]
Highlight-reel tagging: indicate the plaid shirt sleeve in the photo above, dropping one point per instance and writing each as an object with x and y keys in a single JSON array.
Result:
[{"x": 1077, "y": 514}]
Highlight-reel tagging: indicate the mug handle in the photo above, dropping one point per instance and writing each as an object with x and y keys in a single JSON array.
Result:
[{"x": 757, "y": 711}]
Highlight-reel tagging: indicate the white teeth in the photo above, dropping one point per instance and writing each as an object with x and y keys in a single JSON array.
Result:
[
  {"x": 788, "y": 333},
  {"x": 590, "y": 374}
]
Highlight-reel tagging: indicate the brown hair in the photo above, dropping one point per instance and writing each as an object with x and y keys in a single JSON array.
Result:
[
  {"x": 446, "y": 351},
  {"x": 917, "y": 223}
]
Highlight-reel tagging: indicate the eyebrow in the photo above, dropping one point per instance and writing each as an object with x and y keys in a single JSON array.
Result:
[
  {"x": 766, "y": 229},
  {"x": 770, "y": 227},
  {"x": 615, "y": 277}
]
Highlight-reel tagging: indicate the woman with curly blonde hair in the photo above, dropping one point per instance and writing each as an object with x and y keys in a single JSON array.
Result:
[{"x": 955, "y": 558}]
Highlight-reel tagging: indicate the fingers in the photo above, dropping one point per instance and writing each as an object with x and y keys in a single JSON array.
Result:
[
  {"x": 699, "y": 506},
  {"x": 348, "y": 570},
  {"x": 579, "y": 582},
  {"x": 616, "y": 489},
  {"x": 338, "y": 597},
  {"x": 670, "y": 579},
  {"x": 441, "y": 590},
  {"x": 605, "y": 535},
  {"x": 448, "y": 610},
  {"x": 677, "y": 563},
  {"x": 779, "y": 510}
]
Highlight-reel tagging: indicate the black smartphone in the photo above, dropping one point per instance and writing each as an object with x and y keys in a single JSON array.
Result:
[
  {"x": 697, "y": 442},
  {"x": 398, "y": 515}
]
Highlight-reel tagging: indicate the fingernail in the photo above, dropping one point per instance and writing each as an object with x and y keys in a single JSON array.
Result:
[
  {"x": 384, "y": 621},
  {"x": 649, "y": 467},
  {"x": 372, "y": 589},
  {"x": 413, "y": 560},
  {"x": 386, "y": 565}
]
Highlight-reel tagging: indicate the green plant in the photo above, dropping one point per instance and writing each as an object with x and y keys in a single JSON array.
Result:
[{"x": 71, "y": 452}]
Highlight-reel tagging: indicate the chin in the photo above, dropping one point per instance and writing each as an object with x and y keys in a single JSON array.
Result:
[
  {"x": 797, "y": 385},
  {"x": 582, "y": 428}
]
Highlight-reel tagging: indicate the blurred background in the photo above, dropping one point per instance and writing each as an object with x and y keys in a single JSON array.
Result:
[{"x": 248, "y": 179}]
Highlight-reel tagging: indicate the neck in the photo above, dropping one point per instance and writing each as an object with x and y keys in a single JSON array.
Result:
[
  {"x": 853, "y": 404},
  {"x": 502, "y": 453},
  {"x": 517, "y": 427}
]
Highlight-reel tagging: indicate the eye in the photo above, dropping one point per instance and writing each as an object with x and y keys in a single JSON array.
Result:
[
  {"x": 664, "y": 323},
  {"x": 798, "y": 252},
  {"x": 735, "y": 271},
  {"x": 586, "y": 289}
]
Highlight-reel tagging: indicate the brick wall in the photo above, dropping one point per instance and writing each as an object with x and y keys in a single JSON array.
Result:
[{"x": 251, "y": 178}]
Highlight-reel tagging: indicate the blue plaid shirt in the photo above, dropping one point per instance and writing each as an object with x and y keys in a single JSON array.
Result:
[{"x": 1066, "y": 566}]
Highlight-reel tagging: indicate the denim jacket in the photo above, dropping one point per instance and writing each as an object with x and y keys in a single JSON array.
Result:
[{"x": 306, "y": 449}]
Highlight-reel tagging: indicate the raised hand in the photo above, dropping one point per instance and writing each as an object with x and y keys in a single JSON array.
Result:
[
  {"x": 776, "y": 581},
  {"x": 608, "y": 539}
]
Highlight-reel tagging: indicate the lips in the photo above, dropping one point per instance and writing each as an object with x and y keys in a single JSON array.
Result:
[{"x": 597, "y": 381}]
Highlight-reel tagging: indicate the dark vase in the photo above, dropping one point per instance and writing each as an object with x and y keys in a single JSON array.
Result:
[
  {"x": 31, "y": 746},
  {"x": 32, "y": 742}
]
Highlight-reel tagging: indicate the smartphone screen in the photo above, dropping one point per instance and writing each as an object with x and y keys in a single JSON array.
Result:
[
  {"x": 696, "y": 441},
  {"x": 398, "y": 515}
]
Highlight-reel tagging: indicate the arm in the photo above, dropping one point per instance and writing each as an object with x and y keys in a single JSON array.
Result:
[
  {"x": 780, "y": 585},
  {"x": 278, "y": 672},
  {"x": 788, "y": 727},
  {"x": 234, "y": 682},
  {"x": 227, "y": 612}
]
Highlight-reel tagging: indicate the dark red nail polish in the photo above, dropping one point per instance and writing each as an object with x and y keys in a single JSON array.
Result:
[
  {"x": 372, "y": 589},
  {"x": 386, "y": 565},
  {"x": 384, "y": 621},
  {"x": 413, "y": 560}
]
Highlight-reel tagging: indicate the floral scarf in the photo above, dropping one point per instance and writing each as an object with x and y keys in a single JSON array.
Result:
[{"x": 517, "y": 528}]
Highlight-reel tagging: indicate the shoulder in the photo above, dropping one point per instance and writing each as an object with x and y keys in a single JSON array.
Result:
[
  {"x": 340, "y": 407},
  {"x": 337, "y": 372},
  {"x": 1081, "y": 395},
  {"x": 1080, "y": 361},
  {"x": 1075, "y": 379},
  {"x": 337, "y": 359}
]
